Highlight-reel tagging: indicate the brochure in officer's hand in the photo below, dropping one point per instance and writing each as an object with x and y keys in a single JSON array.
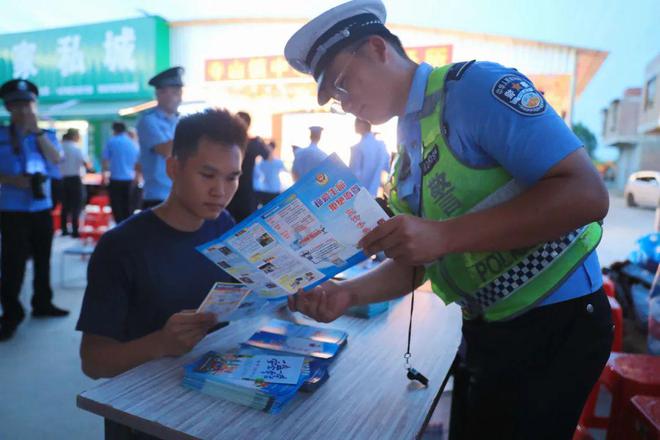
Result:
[{"x": 303, "y": 237}]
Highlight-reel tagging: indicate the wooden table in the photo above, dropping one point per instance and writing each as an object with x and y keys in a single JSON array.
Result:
[{"x": 366, "y": 397}]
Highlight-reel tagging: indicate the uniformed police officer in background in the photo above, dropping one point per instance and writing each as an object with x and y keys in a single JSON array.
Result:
[
  {"x": 27, "y": 153},
  {"x": 155, "y": 133},
  {"x": 498, "y": 206}
]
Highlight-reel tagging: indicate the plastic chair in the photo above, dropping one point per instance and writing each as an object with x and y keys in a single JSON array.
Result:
[
  {"x": 100, "y": 200},
  {"x": 644, "y": 418},
  {"x": 617, "y": 319},
  {"x": 624, "y": 376},
  {"x": 56, "y": 213},
  {"x": 608, "y": 286}
]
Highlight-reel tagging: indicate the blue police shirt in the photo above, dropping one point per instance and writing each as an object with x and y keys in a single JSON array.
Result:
[
  {"x": 143, "y": 271},
  {"x": 369, "y": 158},
  {"x": 487, "y": 126},
  {"x": 155, "y": 127},
  {"x": 29, "y": 160},
  {"x": 307, "y": 158},
  {"x": 123, "y": 154}
]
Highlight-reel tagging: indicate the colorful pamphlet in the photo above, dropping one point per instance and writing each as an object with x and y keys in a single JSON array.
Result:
[
  {"x": 303, "y": 237},
  {"x": 287, "y": 337}
]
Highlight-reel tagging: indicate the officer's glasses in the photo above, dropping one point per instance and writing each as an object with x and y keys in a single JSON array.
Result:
[{"x": 338, "y": 92}]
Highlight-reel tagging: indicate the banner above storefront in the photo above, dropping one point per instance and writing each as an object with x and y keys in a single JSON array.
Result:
[
  {"x": 276, "y": 67},
  {"x": 104, "y": 61}
]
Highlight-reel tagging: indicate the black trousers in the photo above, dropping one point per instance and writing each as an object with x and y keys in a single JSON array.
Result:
[
  {"x": 56, "y": 191},
  {"x": 72, "y": 197},
  {"x": 121, "y": 199},
  {"x": 25, "y": 234},
  {"x": 528, "y": 378}
]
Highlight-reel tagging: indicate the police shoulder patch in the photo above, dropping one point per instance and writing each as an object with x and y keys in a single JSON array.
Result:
[{"x": 519, "y": 94}]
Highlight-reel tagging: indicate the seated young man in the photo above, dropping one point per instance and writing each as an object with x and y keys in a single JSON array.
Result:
[{"x": 145, "y": 275}]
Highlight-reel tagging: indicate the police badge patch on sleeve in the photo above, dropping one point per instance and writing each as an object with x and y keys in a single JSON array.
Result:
[{"x": 519, "y": 94}]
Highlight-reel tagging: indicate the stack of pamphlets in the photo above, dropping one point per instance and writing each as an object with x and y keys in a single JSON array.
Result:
[
  {"x": 259, "y": 380},
  {"x": 267, "y": 371}
]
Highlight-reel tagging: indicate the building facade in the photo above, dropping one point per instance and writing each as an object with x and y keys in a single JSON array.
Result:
[{"x": 632, "y": 124}]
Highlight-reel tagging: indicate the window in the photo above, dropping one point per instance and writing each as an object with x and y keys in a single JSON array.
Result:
[
  {"x": 649, "y": 95},
  {"x": 614, "y": 115}
]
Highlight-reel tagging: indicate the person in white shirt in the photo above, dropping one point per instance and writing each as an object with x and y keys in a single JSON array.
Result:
[
  {"x": 369, "y": 158},
  {"x": 71, "y": 168},
  {"x": 267, "y": 182}
]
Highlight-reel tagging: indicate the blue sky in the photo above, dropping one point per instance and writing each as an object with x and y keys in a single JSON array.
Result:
[{"x": 628, "y": 30}]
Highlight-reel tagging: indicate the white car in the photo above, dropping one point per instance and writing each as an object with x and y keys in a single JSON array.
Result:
[{"x": 643, "y": 189}]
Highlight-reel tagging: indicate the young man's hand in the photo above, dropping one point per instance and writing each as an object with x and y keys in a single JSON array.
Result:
[
  {"x": 324, "y": 303},
  {"x": 183, "y": 331},
  {"x": 407, "y": 239}
]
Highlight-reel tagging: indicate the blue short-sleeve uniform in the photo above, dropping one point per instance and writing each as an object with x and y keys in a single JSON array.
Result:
[
  {"x": 27, "y": 160},
  {"x": 143, "y": 271},
  {"x": 307, "y": 159},
  {"x": 123, "y": 154},
  {"x": 494, "y": 116},
  {"x": 155, "y": 127}
]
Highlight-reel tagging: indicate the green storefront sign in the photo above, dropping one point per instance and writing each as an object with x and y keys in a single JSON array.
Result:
[{"x": 96, "y": 62}]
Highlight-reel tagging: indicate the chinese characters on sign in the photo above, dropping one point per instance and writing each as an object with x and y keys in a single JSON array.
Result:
[
  {"x": 276, "y": 67},
  {"x": 110, "y": 60}
]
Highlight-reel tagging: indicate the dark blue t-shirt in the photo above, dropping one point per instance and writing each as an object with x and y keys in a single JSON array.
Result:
[{"x": 143, "y": 271}]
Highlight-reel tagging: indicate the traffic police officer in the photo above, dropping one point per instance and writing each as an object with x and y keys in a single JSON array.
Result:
[
  {"x": 498, "y": 206},
  {"x": 155, "y": 133},
  {"x": 308, "y": 158},
  {"x": 27, "y": 155}
]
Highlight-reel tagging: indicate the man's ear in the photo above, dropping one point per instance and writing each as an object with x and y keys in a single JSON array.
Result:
[
  {"x": 378, "y": 48},
  {"x": 172, "y": 165}
]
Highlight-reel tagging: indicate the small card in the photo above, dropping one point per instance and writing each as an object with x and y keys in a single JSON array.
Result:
[
  {"x": 272, "y": 369},
  {"x": 223, "y": 299}
]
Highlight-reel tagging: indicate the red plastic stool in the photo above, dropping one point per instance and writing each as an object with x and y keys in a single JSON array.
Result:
[
  {"x": 624, "y": 376},
  {"x": 100, "y": 200},
  {"x": 582, "y": 434},
  {"x": 56, "y": 213},
  {"x": 617, "y": 319},
  {"x": 644, "y": 418},
  {"x": 608, "y": 286}
]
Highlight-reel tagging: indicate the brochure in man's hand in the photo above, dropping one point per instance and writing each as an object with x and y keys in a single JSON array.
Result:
[{"x": 303, "y": 237}]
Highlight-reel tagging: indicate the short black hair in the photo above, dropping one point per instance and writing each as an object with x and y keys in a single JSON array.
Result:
[
  {"x": 390, "y": 38},
  {"x": 396, "y": 43},
  {"x": 215, "y": 124},
  {"x": 245, "y": 116},
  {"x": 118, "y": 127},
  {"x": 71, "y": 134}
]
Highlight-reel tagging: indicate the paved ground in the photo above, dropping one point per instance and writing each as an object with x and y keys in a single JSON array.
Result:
[{"x": 40, "y": 368}]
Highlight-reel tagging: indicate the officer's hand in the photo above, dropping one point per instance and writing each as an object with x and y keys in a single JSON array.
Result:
[
  {"x": 323, "y": 303},
  {"x": 183, "y": 331},
  {"x": 31, "y": 122},
  {"x": 407, "y": 239}
]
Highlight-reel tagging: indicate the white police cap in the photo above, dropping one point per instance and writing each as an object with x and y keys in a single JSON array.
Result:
[{"x": 314, "y": 45}]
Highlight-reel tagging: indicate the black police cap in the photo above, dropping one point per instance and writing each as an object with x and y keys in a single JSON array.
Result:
[
  {"x": 171, "y": 77},
  {"x": 18, "y": 90}
]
